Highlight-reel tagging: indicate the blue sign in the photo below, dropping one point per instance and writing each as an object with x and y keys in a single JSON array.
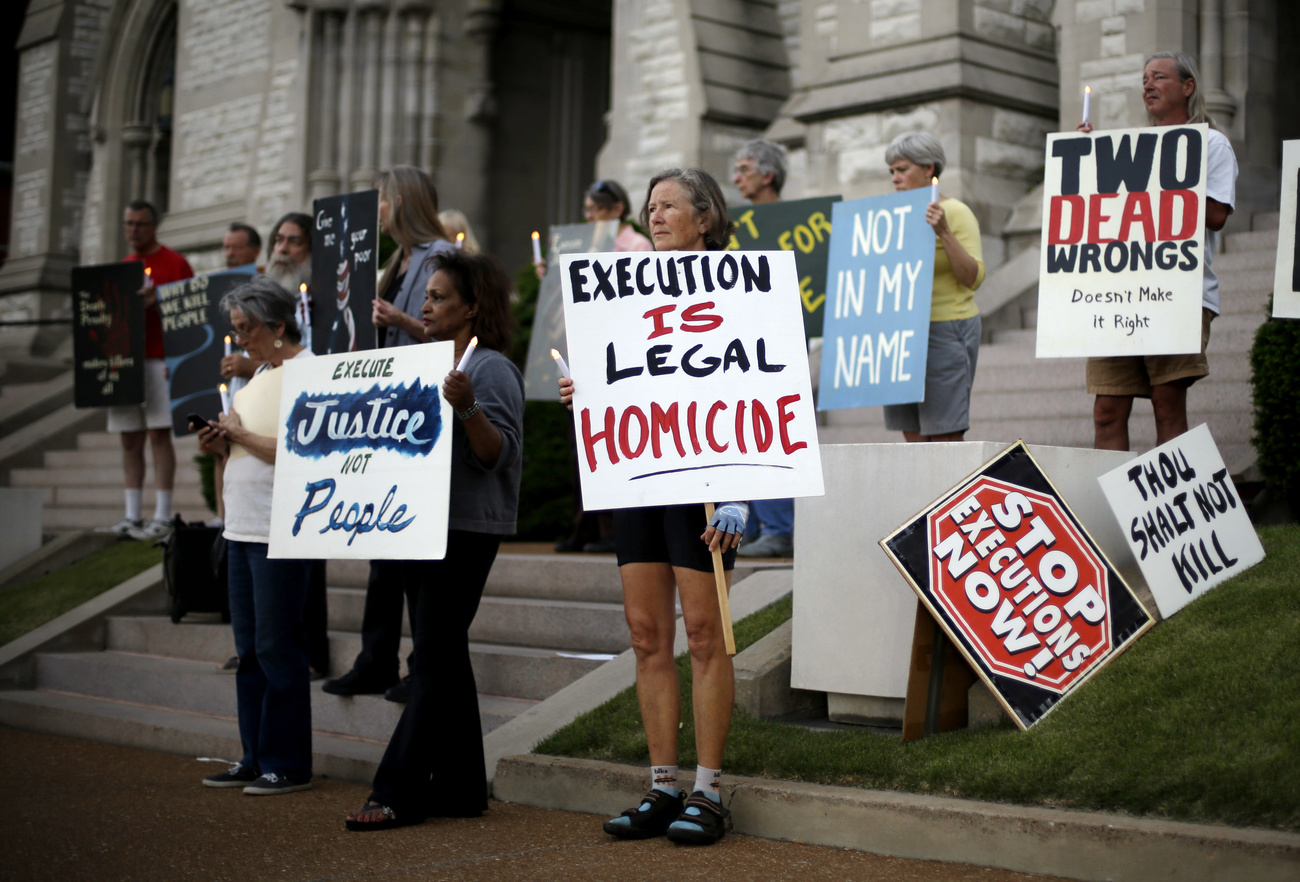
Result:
[{"x": 877, "y": 312}]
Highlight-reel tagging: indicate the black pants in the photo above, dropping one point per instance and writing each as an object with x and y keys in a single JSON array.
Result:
[
  {"x": 316, "y": 619},
  {"x": 381, "y": 623},
  {"x": 440, "y": 733}
]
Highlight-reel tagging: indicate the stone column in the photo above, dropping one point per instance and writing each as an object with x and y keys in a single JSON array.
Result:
[
  {"x": 370, "y": 32},
  {"x": 136, "y": 138},
  {"x": 1219, "y": 103},
  {"x": 414, "y": 15},
  {"x": 390, "y": 79},
  {"x": 482, "y": 19},
  {"x": 324, "y": 180},
  {"x": 428, "y": 157}
]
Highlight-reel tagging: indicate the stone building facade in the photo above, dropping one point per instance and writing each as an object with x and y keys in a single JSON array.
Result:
[{"x": 223, "y": 110}]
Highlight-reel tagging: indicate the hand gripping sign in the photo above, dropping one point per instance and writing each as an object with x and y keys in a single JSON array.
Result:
[
  {"x": 1009, "y": 573},
  {"x": 690, "y": 378},
  {"x": 1123, "y": 242},
  {"x": 363, "y": 461}
]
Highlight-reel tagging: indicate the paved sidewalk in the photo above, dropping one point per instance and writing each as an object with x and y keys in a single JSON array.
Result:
[{"x": 82, "y": 810}]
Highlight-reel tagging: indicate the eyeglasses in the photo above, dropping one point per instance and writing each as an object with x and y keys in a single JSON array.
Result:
[{"x": 138, "y": 224}]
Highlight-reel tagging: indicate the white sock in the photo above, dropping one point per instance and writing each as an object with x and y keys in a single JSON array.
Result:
[
  {"x": 664, "y": 778},
  {"x": 133, "y": 504},
  {"x": 162, "y": 509},
  {"x": 709, "y": 781}
]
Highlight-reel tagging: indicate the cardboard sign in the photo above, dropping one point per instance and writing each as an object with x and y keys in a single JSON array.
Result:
[
  {"x": 1182, "y": 517},
  {"x": 1286, "y": 277},
  {"x": 194, "y": 331},
  {"x": 690, "y": 378},
  {"x": 540, "y": 375},
  {"x": 802, "y": 226},
  {"x": 363, "y": 463},
  {"x": 344, "y": 271},
  {"x": 108, "y": 334},
  {"x": 878, "y": 323},
  {"x": 1123, "y": 242},
  {"x": 1009, "y": 572}
]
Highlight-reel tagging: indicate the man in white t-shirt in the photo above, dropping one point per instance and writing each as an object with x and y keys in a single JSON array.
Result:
[{"x": 1172, "y": 95}]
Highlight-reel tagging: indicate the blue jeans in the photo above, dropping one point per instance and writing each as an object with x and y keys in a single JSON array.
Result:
[
  {"x": 772, "y": 516},
  {"x": 273, "y": 684}
]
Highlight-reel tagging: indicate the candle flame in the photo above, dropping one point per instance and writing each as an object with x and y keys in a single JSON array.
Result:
[
  {"x": 223, "y": 387},
  {"x": 302, "y": 287},
  {"x": 1087, "y": 89},
  {"x": 536, "y": 235},
  {"x": 460, "y": 237},
  {"x": 473, "y": 341},
  {"x": 555, "y": 353},
  {"x": 934, "y": 180},
  {"x": 227, "y": 339},
  {"x": 148, "y": 271}
]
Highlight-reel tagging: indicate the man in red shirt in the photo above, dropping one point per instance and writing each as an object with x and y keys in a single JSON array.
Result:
[{"x": 153, "y": 418}]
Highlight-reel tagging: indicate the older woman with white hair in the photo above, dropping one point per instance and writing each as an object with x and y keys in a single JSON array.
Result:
[{"x": 914, "y": 160}]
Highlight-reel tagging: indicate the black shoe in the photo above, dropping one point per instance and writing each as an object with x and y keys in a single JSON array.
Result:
[
  {"x": 568, "y": 546},
  {"x": 600, "y": 546},
  {"x": 401, "y": 693},
  {"x": 231, "y": 666},
  {"x": 355, "y": 682},
  {"x": 702, "y": 822},
  {"x": 271, "y": 784},
  {"x": 650, "y": 818},
  {"x": 237, "y": 775}
]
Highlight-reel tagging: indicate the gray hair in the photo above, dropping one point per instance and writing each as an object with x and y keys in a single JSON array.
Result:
[
  {"x": 706, "y": 201},
  {"x": 1185, "y": 65},
  {"x": 918, "y": 148},
  {"x": 769, "y": 159},
  {"x": 264, "y": 301}
]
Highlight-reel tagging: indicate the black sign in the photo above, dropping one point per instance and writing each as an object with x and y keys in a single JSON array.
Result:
[
  {"x": 194, "y": 332},
  {"x": 802, "y": 226},
  {"x": 108, "y": 334},
  {"x": 1014, "y": 579},
  {"x": 344, "y": 271}
]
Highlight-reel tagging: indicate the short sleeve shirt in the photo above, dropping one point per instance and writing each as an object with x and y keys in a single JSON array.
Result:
[
  {"x": 1221, "y": 186},
  {"x": 165, "y": 266}
]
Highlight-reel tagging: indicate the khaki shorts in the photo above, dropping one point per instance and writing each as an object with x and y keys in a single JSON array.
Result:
[
  {"x": 155, "y": 412},
  {"x": 1136, "y": 374}
]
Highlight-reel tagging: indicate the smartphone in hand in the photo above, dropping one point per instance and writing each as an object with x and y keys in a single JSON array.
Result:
[{"x": 196, "y": 422}]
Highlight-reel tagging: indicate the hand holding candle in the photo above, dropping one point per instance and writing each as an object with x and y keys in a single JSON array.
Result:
[
  {"x": 537, "y": 247},
  {"x": 469, "y": 350},
  {"x": 559, "y": 363},
  {"x": 225, "y": 398},
  {"x": 1087, "y": 101},
  {"x": 934, "y": 189}
]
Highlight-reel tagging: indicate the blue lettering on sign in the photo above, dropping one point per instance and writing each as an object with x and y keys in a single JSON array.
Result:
[
  {"x": 355, "y": 518},
  {"x": 407, "y": 420}
]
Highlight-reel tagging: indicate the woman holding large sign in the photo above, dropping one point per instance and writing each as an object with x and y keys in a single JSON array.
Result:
[
  {"x": 916, "y": 159},
  {"x": 434, "y": 765},
  {"x": 267, "y": 596},
  {"x": 659, "y": 547}
]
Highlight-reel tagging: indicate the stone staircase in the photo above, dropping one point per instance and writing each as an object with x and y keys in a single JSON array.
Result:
[{"x": 1043, "y": 401}]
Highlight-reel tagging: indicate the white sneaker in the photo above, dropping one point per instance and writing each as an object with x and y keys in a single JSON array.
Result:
[
  {"x": 154, "y": 528},
  {"x": 122, "y": 527}
]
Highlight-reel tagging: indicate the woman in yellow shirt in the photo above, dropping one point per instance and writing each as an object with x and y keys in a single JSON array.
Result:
[{"x": 914, "y": 160}]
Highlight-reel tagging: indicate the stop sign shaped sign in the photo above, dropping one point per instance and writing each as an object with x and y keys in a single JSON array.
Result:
[{"x": 1011, "y": 575}]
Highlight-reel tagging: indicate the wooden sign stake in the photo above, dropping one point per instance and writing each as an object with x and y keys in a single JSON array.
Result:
[{"x": 720, "y": 580}]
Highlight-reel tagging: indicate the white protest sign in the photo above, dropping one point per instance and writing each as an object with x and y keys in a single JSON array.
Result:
[
  {"x": 1124, "y": 243},
  {"x": 1286, "y": 278},
  {"x": 1183, "y": 519},
  {"x": 690, "y": 378},
  {"x": 363, "y": 460}
]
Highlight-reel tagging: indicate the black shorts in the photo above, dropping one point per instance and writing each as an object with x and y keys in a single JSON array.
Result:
[{"x": 665, "y": 534}]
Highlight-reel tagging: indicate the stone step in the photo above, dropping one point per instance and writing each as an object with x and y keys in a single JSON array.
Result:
[
  {"x": 172, "y": 731},
  {"x": 1255, "y": 240},
  {"x": 61, "y": 519},
  {"x": 184, "y": 497},
  {"x": 1266, "y": 220},
  {"x": 196, "y": 687},
  {"x": 98, "y": 441},
  {"x": 186, "y": 474},
  {"x": 1245, "y": 261}
]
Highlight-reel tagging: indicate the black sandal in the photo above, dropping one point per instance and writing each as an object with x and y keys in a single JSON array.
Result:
[
  {"x": 705, "y": 827},
  {"x": 390, "y": 820},
  {"x": 651, "y": 817}
]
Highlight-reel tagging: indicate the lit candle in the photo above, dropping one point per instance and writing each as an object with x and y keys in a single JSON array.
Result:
[
  {"x": 559, "y": 363},
  {"x": 460, "y": 240},
  {"x": 148, "y": 277},
  {"x": 225, "y": 398},
  {"x": 227, "y": 344},
  {"x": 469, "y": 350},
  {"x": 537, "y": 247},
  {"x": 1087, "y": 101},
  {"x": 934, "y": 189}
]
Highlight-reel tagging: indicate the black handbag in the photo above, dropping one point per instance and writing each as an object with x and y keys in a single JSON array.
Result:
[{"x": 194, "y": 569}]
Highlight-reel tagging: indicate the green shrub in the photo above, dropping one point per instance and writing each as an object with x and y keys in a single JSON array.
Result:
[{"x": 1275, "y": 378}]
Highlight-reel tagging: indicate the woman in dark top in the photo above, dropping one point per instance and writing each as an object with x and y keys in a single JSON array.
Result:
[{"x": 434, "y": 765}]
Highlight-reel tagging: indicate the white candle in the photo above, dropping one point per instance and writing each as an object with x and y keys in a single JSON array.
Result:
[
  {"x": 225, "y": 398},
  {"x": 934, "y": 189},
  {"x": 559, "y": 363},
  {"x": 1087, "y": 101},
  {"x": 469, "y": 350},
  {"x": 148, "y": 277},
  {"x": 537, "y": 247},
  {"x": 227, "y": 344},
  {"x": 460, "y": 240}
]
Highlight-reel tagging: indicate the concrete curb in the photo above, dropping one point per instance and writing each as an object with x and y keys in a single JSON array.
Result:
[
  {"x": 1075, "y": 845},
  {"x": 524, "y": 731},
  {"x": 81, "y": 628}
]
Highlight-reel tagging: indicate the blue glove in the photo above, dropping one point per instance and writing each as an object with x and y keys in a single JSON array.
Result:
[{"x": 730, "y": 517}]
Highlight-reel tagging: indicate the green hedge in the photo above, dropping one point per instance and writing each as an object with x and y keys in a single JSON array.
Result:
[{"x": 1275, "y": 378}]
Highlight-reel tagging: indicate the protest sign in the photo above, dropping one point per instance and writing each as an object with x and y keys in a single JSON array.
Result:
[
  {"x": 108, "y": 334},
  {"x": 1182, "y": 517},
  {"x": 1015, "y": 581},
  {"x": 877, "y": 328},
  {"x": 1286, "y": 275},
  {"x": 1124, "y": 243},
  {"x": 194, "y": 331},
  {"x": 363, "y": 458},
  {"x": 344, "y": 271},
  {"x": 540, "y": 376},
  {"x": 690, "y": 378},
  {"x": 802, "y": 226}
]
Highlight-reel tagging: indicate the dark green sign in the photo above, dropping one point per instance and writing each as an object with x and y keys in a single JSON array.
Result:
[{"x": 802, "y": 226}]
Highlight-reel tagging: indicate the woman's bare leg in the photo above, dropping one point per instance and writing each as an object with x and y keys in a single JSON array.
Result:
[
  {"x": 713, "y": 689},
  {"x": 648, "y": 603}
]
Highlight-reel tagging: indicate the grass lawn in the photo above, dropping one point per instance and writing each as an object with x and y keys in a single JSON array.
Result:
[
  {"x": 1197, "y": 721},
  {"x": 37, "y": 602}
]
